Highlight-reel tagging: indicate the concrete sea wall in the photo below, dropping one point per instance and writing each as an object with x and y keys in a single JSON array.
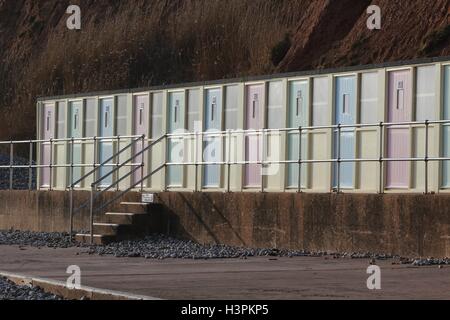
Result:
[{"x": 404, "y": 224}]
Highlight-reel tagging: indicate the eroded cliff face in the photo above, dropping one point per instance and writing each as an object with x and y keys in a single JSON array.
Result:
[{"x": 134, "y": 43}]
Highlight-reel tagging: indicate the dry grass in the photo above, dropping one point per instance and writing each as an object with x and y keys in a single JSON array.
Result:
[
  {"x": 151, "y": 42},
  {"x": 137, "y": 43}
]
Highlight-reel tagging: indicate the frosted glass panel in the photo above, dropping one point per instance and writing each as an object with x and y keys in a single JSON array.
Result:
[
  {"x": 157, "y": 115},
  {"x": 231, "y": 107},
  {"x": 90, "y": 116},
  {"x": 426, "y": 93},
  {"x": 121, "y": 116},
  {"x": 194, "y": 110},
  {"x": 61, "y": 121},
  {"x": 320, "y": 102},
  {"x": 369, "y": 97},
  {"x": 276, "y": 110}
]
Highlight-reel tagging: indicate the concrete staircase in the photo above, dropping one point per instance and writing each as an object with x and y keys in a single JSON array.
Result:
[{"x": 133, "y": 222}]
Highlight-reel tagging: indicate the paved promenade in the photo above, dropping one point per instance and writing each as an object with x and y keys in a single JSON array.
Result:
[{"x": 254, "y": 278}]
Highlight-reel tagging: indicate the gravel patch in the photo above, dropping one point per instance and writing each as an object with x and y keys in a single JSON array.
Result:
[
  {"x": 164, "y": 247},
  {"x": 36, "y": 239},
  {"x": 430, "y": 262},
  {"x": 11, "y": 291}
]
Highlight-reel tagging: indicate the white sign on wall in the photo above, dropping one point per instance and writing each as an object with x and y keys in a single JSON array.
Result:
[{"x": 148, "y": 198}]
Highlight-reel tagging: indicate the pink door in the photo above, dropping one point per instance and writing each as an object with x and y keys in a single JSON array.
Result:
[
  {"x": 398, "y": 138},
  {"x": 255, "y": 103},
  {"x": 47, "y": 127},
  {"x": 141, "y": 115}
]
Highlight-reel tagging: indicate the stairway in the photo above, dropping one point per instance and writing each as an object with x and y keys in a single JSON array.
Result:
[{"x": 133, "y": 222}]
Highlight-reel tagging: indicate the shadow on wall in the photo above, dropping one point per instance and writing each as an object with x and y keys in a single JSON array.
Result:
[{"x": 400, "y": 224}]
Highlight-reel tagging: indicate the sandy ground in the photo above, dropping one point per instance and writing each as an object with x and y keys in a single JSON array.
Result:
[{"x": 254, "y": 278}]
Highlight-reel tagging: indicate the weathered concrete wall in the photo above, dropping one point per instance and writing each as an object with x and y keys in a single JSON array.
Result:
[
  {"x": 409, "y": 225},
  {"x": 48, "y": 211}
]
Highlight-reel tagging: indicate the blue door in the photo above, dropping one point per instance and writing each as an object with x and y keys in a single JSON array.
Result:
[
  {"x": 446, "y": 129},
  {"x": 106, "y": 146},
  {"x": 298, "y": 116},
  {"x": 75, "y": 131},
  {"x": 345, "y": 114},
  {"x": 176, "y": 125},
  {"x": 212, "y": 144}
]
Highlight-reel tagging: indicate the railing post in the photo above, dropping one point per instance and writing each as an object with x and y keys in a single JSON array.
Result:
[
  {"x": 263, "y": 153},
  {"x": 229, "y": 162},
  {"x": 166, "y": 158},
  {"x": 142, "y": 162},
  {"x": 91, "y": 214},
  {"x": 71, "y": 212},
  {"x": 427, "y": 127},
  {"x": 338, "y": 175},
  {"x": 381, "y": 152},
  {"x": 72, "y": 150},
  {"x": 300, "y": 131},
  {"x": 117, "y": 161},
  {"x": 51, "y": 164},
  {"x": 30, "y": 167},
  {"x": 94, "y": 165},
  {"x": 196, "y": 160},
  {"x": 11, "y": 163}
]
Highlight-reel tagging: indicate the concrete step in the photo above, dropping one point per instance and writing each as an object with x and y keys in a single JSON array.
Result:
[
  {"x": 107, "y": 229},
  {"x": 123, "y": 218},
  {"x": 139, "y": 207},
  {"x": 99, "y": 239}
]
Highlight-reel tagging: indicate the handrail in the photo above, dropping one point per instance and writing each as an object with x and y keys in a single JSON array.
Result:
[
  {"x": 220, "y": 133},
  {"x": 95, "y": 195},
  {"x": 120, "y": 195},
  {"x": 66, "y": 140},
  {"x": 93, "y": 171},
  {"x": 106, "y": 162},
  {"x": 130, "y": 188},
  {"x": 129, "y": 160},
  {"x": 381, "y": 127}
]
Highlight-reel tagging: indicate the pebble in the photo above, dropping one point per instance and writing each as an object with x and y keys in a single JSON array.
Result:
[
  {"x": 11, "y": 291},
  {"x": 35, "y": 239},
  {"x": 430, "y": 262},
  {"x": 163, "y": 247}
]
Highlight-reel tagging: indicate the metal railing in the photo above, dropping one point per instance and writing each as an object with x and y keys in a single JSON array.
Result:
[
  {"x": 198, "y": 138},
  {"x": 338, "y": 160},
  {"x": 338, "y": 129},
  {"x": 34, "y": 160},
  {"x": 96, "y": 194},
  {"x": 96, "y": 168},
  {"x": 36, "y": 148}
]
